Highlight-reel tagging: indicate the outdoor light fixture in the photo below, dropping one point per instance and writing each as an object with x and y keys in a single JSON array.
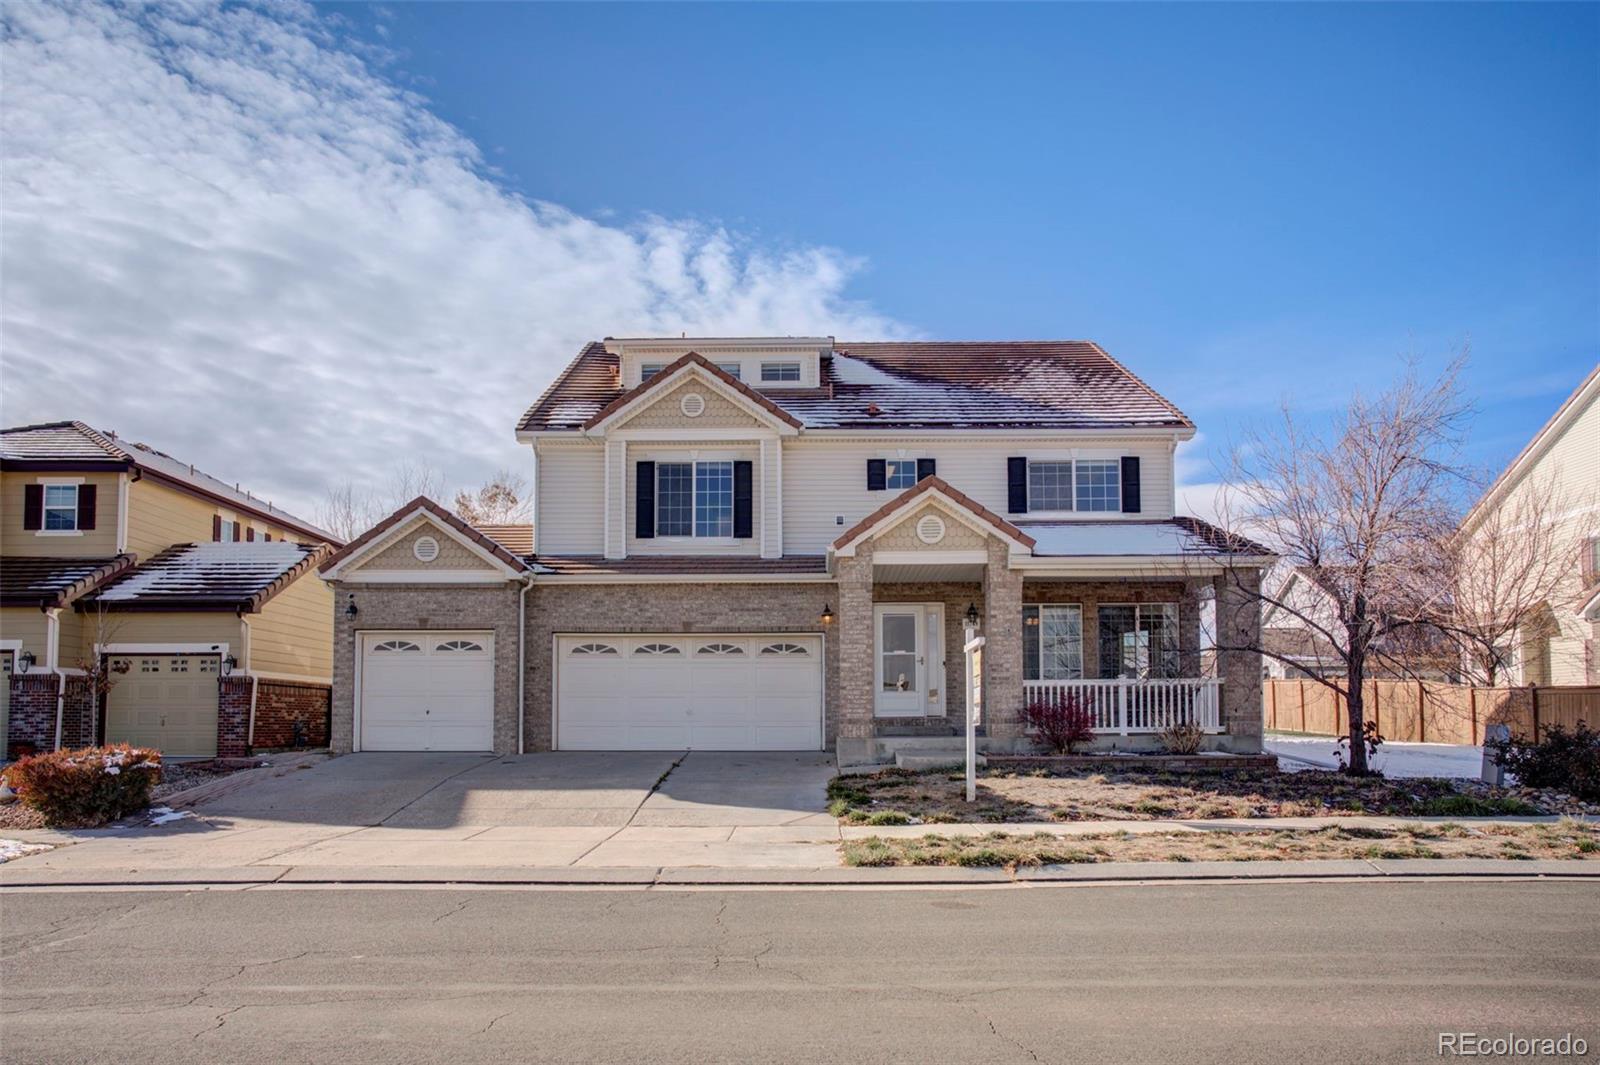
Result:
[
  {"x": 972, "y": 614},
  {"x": 227, "y": 665},
  {"x": 827, "y": 615},
  {"x": 25, "y": 661},
  {"x": 350, "y": 610},
  {"x": 1031, "y": 620}
]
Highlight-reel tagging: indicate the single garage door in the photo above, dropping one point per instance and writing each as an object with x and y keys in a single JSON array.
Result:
[
  {"x": 676, "y": 692},
  {"x": 168, "y": 702},
  {"x": 427, "y": 691}
]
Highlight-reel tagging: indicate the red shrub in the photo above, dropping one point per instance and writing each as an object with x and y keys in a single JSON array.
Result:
[
  {"x": 1061, "y": 725},
  {"x": 88, "y": 786}
]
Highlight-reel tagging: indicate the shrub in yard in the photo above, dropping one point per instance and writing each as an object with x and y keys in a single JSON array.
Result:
[
  {"x": 1565, "y": 761},
  {"x": 88, "y": 786},
  {"x": 1182, "y": 737},
  {"x": 1059, "y": 726}
]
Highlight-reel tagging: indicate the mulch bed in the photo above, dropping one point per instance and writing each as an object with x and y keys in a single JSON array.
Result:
[{"x": 1043, "y": 794}]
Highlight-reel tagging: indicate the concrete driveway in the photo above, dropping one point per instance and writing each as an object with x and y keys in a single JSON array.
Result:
[{"x": 622, "y": 809}]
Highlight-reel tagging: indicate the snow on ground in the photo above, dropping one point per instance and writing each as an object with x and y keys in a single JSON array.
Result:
[
  {"x": 15, "y": 848},
  {"x": 161, "y": 815},
  {"x": 1393, "y": 759}
]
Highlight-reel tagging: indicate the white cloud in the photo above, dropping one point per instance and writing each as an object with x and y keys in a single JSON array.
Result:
[{"x": 230, "y": 235}]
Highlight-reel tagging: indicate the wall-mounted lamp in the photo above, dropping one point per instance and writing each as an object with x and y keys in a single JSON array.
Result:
[
  {"x": 827, "y": 616},
  {"x": 25, "y": 661},
  {"x": 350, "y": 606},
  {"x": 228, "y": 664},
  {"x": 1031, "y": 620},
  {"x": 972, "y": 615}
]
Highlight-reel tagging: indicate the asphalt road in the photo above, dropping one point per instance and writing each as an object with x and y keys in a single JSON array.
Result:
[{"x": 1271, "y": 972}]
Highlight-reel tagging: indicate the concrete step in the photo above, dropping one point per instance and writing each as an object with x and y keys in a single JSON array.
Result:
[
  {"x": 933, "y": 758},
  {"x": 947, "y": 742}
]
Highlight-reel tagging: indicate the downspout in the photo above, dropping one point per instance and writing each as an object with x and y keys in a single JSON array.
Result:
[
  {"x": 52, "y": 653},
  {"x": 250, "y": 733},
  {"x": 522, "y": 658}
]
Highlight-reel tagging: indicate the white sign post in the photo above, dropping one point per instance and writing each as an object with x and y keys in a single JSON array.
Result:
[{"x": 974, "y": 652}]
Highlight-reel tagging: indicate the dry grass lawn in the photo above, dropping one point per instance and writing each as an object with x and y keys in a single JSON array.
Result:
[
  {"x": 899, "y": 797},
  {"x": 1566, "y": 839}
]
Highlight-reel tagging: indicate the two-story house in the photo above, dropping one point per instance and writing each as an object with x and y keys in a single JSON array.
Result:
[
  {"x": 782, "y": 542},
  {"x": 143, "y": 601}
]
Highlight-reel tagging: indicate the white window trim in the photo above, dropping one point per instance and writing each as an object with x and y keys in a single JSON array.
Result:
[
  {"x": 888, "y": 478},
  {"x": 799, "y": 369},
  {"x": 694, "y": 491},
  {"x": 44, "y": 509},
  {"x": 1072, "y": 492},
  {"x": 1039, "y": 647},
  {"x": 643, "y": 366}
]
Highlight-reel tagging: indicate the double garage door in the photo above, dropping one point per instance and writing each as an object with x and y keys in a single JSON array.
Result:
[{"x": 732, "y": 692}]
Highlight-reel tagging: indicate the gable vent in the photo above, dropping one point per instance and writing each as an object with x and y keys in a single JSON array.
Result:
[
  {"x": 426, "y": 548},
  {"x": 930, "y": 529},
  {"x": 693, "y": 405}
]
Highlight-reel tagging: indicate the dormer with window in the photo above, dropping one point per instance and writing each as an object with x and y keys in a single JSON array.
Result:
[{"x": 760, "y": 362}]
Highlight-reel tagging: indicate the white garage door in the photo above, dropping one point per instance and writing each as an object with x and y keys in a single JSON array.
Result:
[
  {"x": 709, "y": 693},
  {"x": 168, "y": 702},
  {"x": 427, "y": 691}
]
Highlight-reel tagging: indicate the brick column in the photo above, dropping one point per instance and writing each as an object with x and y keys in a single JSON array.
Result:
[
  {"x": 80, "y": 717},
  {"x": 857, "y": 641},
  {"x": 233, "y": 717},
  {"x": 1239, "y": 626},
  {"x": 1002, "y": 650},
  {"x": 32, "y": 714}
]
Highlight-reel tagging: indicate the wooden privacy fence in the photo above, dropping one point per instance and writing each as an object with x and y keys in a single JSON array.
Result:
[{"x": 1427, "y": 712}]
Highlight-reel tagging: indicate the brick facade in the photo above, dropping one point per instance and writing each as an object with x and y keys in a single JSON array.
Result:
[
  {"x": 291, "y": 714},
  {"x": 853, "y": 739},
  {"x": 80, "y": 717},
  {"x": 1239, "y": 626},
  {"x": 1002, "y": 649},
  {"x": 233, "y": 717},
  {"x": 31, "y": 720}
]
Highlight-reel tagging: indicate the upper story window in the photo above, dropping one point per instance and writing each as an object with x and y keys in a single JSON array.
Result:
[
  {"x": 780, "y": 371},
  {"x": 648, "y": 370},
  {"x": 899, "y": 473},
  {"x": 694, "y": 499},
  {"x": 1091, "y": 485},
  {"x": 1591, "y": 559},
  {"x": 227, "y": 530},
  {"x": 729, "y": 368},
  {"x": 60, "y": 507}
]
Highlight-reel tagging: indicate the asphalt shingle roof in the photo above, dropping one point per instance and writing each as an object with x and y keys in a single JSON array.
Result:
[{"x": 1053, "y": 384}]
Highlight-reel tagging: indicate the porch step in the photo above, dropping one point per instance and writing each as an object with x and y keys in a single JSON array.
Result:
[
  {"x": 934, "y": 758},
  {"x": 907, "y": 731},
  {"x": 943, "y": 742}
]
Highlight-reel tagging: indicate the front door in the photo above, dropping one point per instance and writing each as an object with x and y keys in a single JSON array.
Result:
[{"x": 909, "y": 673}]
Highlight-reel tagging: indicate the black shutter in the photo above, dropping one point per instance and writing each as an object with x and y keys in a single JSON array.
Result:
[
  {"x": 216, "y": 528},
  {"x": 743, "y": 498},
  {"x": 250, "y": 534},
  {"x": 236, "y": 531},
  {"x": 644, "y": 500},
  {"x": 1016, "y": 485},
  {"x": 877, "y": 475},
  {"x": 1130, "y": 484},
  {"x": 33, "y": 506},
  {"x": 86, "y": 495},
  {"x": 925, "y": 468}
]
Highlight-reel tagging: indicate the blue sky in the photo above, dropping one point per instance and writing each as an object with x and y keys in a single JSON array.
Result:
[{"x": 1242, "y": 202}]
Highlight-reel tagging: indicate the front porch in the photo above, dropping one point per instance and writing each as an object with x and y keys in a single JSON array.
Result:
[{"x": 1122, "y": 638}]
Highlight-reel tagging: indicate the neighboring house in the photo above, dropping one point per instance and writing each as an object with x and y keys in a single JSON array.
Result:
[
  {"x": 776, "y": 543},
  {"x": 144, "y": 601},
  {"x": 1563, "y": 462},
  {"x": 1296, "y": 621}
]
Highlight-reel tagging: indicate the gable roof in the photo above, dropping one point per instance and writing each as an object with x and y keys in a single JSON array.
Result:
[
  {"x": 911, "y": 497},
  {"x": 209, "y": 576},
  {"x": 1010, "y": 384},
  {"x": 1548, "y": 433},
  {"x": 420, "y": 505},
  {"x": 667, "y": 378},
  {"x": 514, "y": 537},
  {"x": 74, "y": 445},
  {"x": 55, "y": 582}
]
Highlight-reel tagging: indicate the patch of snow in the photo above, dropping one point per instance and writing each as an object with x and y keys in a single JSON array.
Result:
[
  {"x": 852, "y": 371},
  {"x": 1392, "y": 760},
  {"x": 201, "y": 563},
  {"x": 1106, "y": 538},
  {"x": 14, "y": 848},
  {"x": 163, "y": 815}
]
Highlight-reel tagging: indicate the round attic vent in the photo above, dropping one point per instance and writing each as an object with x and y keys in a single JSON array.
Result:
[
  {"x": 426, "y": 548},
  {"x": 693, "y": 405},
  {"x": 930, "y": 530}
]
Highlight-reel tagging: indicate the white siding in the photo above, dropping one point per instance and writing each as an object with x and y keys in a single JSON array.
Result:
[
  {"x": 825, "y": 480},
  {"x": 570, "y": 499}
]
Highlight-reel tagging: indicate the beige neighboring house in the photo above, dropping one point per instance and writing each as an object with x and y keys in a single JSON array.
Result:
[
  {"x": 780, "y": 543},
  {"x": 197, "y": 603},
  {"x": 1563, "y": 461}
]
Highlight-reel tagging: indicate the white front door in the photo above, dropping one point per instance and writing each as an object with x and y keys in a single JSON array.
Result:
[{"x": 909, "y": 669}]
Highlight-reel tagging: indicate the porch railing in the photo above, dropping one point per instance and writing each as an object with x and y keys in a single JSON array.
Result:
[{"x": 1127, "y": 707}]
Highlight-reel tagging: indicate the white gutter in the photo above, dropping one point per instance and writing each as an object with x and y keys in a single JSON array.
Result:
[
  {"x": 522, "y": 657},
  {"x": 52, "y": 654}
]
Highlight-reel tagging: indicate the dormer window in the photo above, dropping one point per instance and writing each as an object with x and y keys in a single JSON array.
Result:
[
  {"x": 780, "y": 371},
  {"x": 648, "y": 370},
  {"x": 729, "y": 368}
]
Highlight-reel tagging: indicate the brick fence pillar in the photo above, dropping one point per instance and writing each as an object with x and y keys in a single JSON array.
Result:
[
  {"x": 233, "y": 717},
  {"x": 855, "y": 743},
  {"x": 1238, "y": 607},
  {"x": 32, "y": 714},
  {"x": 80, "y": 716},
  {"x": 1002, "y": 649}
]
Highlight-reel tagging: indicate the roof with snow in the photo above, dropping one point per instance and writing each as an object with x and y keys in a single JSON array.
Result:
[
  {"x": 1050, "y": 384},
  {"x": 54, "y": 582},
  {"x": 226, "y": 576},
  {"x": 77, "y": 446},
  {"x": 1177, "y": 538}
]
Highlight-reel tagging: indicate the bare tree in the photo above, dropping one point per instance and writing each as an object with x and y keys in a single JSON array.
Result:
[
  {"x": 350, "y": 509},
  {"x": 1508, "y": 562},
  {"x": 1363, "y": 510},
  {"x": 503, "y": 499}
]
